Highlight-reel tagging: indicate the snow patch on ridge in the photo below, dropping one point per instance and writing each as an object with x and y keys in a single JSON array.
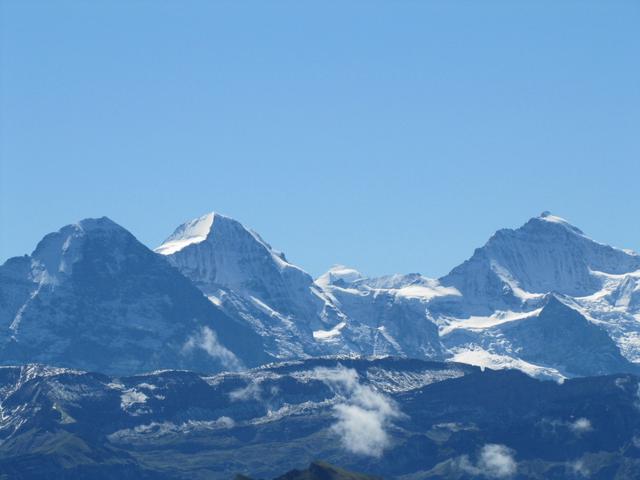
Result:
[
  {"x": 327, "y": 335},
  {"x": 426, "y": 292},
  {"x": 477, "y": 322},
  {"x": 485, "y": 359}
]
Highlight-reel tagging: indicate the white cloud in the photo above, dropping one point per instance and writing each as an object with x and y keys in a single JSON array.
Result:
[
  {"x": 131, "y": 397},
  {"x": 579, "y": 468},
  {"x": 362, "y": 431},
  {"x": 207, "y": 340},
  {"x": 580, "y": 426},
  {"x": 621, "y": 382},
  {"x": 363, "y": 414},
  {"x": 497, "y": 461},
  {"x": 226, "y": 422},
  {"x": 250, "y": 392},
  {"x": 494, "y": 461}
]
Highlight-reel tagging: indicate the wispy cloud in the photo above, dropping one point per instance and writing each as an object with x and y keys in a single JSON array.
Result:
[
  {"x": 579, "y": 468},
  {"x": 580, "y": 426},
  {"x": 494, "y": 461},
  {"x": 207, "y": 340},
  {"x": 363, "y": 413},
  {"x": 251, "y": 392}
]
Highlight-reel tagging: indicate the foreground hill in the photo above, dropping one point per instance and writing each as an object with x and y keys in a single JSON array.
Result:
[
  {"x": 319, "y": 471},
  {"x": 393, "y": 418}
]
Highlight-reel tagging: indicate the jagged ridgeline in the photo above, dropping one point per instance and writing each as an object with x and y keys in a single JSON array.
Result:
[
  {"x": 394, "y": 418},
  {"x": 214, "y": 356},
  {"x": 543, "y": 298}
]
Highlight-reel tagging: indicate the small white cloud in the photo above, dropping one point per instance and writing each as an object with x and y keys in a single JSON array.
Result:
[
  {"x": 275, "y": 390},
  {"x": 339, "y": 378},
  {"x": 362, "y": 431},
  {"x": 621, "y": 383},
  {"x": 363, "y": 414},
  {"x": 207, "y": 340},
  {"x": 226, "y": 422},
  {"x": 147, "y": 386},
  {"x": 131, "y": 397},
  {"x": 579, "y": 468},
  {"x": 580, "y": 426},
  {"x": 494, "y": 461},
  {"x": 251, "y": 392}
]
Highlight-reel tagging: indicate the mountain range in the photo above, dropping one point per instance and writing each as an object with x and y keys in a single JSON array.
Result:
[
  {"x": 392, "y": 418},
  {"x": 213, "y": 356},
  {"x": 543, "y": 298}
]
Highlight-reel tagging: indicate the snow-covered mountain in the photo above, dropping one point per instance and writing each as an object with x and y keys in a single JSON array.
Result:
[
  {"x": 240, "y": 272},
  {"x": 547, "y": 254},
  {"x": 545, "y": 269},
  {"x": 296, "y": 316},
  {"x": 543, "y": 298},
  {"x": 391, "y": 312},
  {"x": 554, "y": 341},
  {"x": 511, "y": 279},
  {"x": 91, "y": 296}
]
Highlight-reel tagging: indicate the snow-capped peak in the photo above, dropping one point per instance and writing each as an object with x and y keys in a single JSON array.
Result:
[
  {"x": 339, "y": 274},
  {"x": 101, "y": 223},
  {"x": 193, "y": 231},
  {"x": 216, "y": 252},
  {"x": 216, "y": 228},
  {"x": 546, "y": 216},
  {"x": 56, "y": 253},
  {"x": 546, "y": 254}
]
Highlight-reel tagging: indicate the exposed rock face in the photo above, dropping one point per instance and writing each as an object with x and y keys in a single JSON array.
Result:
[{"x": 92, "y": 297}]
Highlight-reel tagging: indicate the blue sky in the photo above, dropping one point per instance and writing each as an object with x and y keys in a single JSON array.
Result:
[{"x": 389, "y": 136}]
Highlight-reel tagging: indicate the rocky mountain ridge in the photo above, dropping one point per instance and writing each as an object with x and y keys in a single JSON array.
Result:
[
  {"x": 543, "y": 298},
  {"x": 394, "y": 418}
]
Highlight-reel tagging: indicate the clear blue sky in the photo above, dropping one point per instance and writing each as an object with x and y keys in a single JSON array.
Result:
[{"x": 390, "y": 136}]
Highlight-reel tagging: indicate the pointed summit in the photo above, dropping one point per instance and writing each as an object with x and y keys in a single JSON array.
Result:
[
  {"x": 193, "y": 231},
  {"x": 546, "y": 254},
  {"x": 551, "y": 220},
  {"x": 339, "y": 275},
  {"x": 215, "y": 250},
  {"x": 218, "y": 252},
  {"x": 214, "y": 228}
]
